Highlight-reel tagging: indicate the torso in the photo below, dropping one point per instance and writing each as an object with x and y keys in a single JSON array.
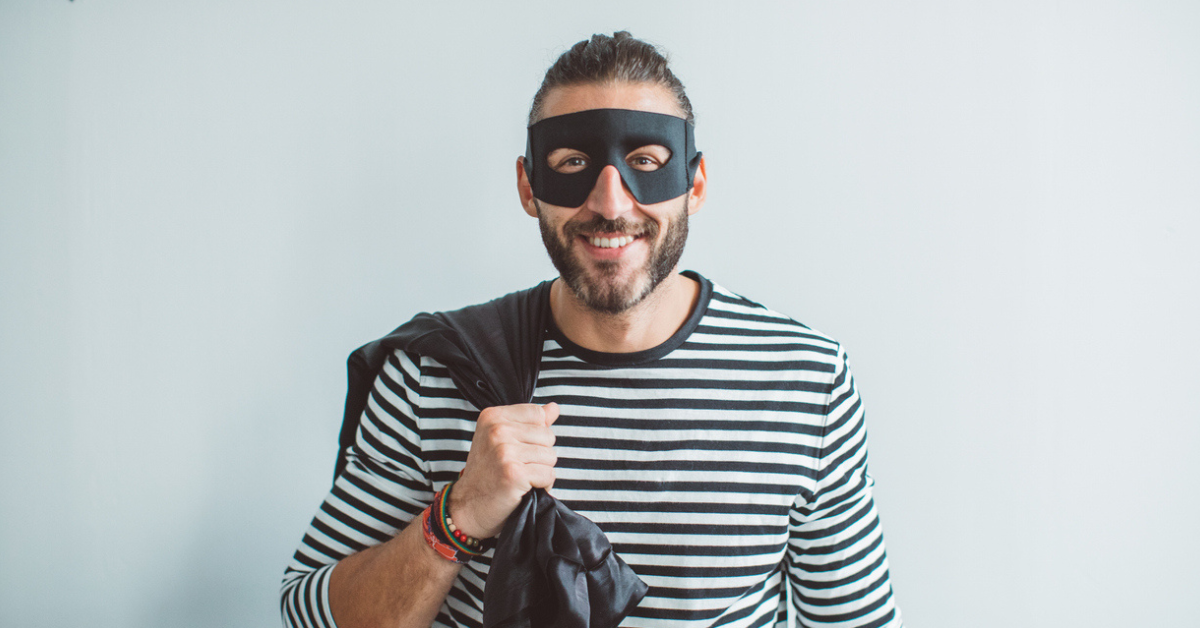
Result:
[{"x": 688, "y": 456}]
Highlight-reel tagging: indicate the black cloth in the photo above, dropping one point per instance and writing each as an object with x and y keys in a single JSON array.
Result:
[{"x": 552, "y": 567}]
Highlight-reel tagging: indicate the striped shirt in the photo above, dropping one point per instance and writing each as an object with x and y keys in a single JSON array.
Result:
[{"x": 725, "y": 466}]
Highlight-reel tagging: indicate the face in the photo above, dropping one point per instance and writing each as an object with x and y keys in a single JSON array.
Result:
[
  {"x": 596, "y": 257},
  {"x": 613, "y": 251}
]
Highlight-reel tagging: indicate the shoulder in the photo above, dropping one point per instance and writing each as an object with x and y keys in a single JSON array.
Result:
[{"x": 736, "y": 314}]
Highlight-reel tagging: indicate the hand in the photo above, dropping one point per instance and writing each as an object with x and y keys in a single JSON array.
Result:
[{"x": 511, "y": 453}]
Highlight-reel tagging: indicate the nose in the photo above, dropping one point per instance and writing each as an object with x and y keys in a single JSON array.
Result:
[{"x": 610, "y": 198}]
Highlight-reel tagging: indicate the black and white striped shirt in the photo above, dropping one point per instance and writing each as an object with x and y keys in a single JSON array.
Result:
[{"x": 723, "y": 465}]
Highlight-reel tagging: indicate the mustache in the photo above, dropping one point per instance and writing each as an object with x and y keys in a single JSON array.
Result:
[{"x": 600, "y": 224}]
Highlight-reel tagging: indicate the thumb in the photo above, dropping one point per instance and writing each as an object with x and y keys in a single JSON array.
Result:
[{"x": 550, "y": 411}]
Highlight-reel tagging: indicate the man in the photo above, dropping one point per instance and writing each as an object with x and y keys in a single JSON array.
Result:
[{"x": 718, "y": 445}]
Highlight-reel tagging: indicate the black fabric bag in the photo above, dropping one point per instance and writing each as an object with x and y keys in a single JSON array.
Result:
[{"x": 552, "y": 567}]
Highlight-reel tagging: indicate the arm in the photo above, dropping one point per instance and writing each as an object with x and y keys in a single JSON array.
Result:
[
  {"x": 353, "y": 568},
  {"x": 401, "y": 583},
  {"x": 837, "y": 564}
]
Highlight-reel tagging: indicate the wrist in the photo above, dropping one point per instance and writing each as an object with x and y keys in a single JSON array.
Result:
[
  {"x": 458, "y": 507},
  {"x": 443, "y": 536},
  {"x": 468, "y": 543},
  {"x": 435, "y": 542}
]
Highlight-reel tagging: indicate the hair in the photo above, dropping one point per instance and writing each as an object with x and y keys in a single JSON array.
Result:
[{"x": 604, "y": 59}]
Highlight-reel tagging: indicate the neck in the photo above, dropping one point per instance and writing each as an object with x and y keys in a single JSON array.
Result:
[{"x": 644, "y": 326}]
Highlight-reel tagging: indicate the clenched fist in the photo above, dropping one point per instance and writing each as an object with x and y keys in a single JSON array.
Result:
[{"x": 511, "y": 453}]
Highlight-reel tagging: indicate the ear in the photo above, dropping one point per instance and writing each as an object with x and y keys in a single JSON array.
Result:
[
  {"x": 524, "y": 189},
  {"x": 699, "y": 190}
]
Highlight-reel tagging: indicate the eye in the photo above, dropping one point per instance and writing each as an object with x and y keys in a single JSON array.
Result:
[
  {"x": 567, "y": 160},
  {"x": 648, "y": 158}
]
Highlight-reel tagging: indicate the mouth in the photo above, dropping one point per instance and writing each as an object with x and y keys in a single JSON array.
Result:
[
  {"x": 609, "y": 242},
  {"x": 610, "y": 238},
  {"x": 609, "y": 247}
]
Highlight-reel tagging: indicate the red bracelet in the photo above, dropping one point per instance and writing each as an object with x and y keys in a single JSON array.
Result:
[
  {"x": 443, "y": 536},
  {"x": 445, "y": 550}
]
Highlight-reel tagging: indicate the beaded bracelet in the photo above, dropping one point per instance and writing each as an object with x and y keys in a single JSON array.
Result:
[
  {"x": 458, "y": 538},
  {"x": 443, "y": 536}
]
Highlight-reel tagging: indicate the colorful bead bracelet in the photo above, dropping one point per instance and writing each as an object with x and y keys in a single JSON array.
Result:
[{"x": 443, "y": 536}]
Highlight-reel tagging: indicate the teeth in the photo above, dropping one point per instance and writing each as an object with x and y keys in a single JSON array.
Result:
[{"x": 606, "y": 243}]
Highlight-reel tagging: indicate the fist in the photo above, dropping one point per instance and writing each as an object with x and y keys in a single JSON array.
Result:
[{"x": 512, "y": 453}]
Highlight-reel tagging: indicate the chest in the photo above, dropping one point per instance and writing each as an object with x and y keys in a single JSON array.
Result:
[{"x": 681, "y": 452}]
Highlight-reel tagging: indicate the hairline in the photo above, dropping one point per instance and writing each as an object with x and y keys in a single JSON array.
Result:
[{"x": 537, "y": 115}]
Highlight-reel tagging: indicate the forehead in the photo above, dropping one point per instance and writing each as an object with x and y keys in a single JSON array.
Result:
[{"x": 651, "y": 97}]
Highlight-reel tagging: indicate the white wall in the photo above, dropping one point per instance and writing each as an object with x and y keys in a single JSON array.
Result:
[{"x": 204, "y": 206}]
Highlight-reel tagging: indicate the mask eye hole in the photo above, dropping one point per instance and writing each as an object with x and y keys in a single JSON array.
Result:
[
  {"x": 567, "y": 160},
  {"x": 649, "y": 158}
]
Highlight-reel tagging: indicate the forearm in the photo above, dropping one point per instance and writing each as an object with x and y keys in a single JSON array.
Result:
[
  {"x": 399, "y": 581},
  {"x": 398, "y": 584}
]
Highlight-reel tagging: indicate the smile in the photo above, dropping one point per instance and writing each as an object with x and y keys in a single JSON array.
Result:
[{"x": 611, "y": 243}]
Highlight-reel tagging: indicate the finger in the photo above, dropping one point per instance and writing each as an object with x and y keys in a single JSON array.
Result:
[
  {"x": 525, "y": 413},
  {"x": 534, "y": 435},
  {"x": 529, "y": 454},
  {"x": 541, "y": 476},
  {"x": 550, "y": 413}
]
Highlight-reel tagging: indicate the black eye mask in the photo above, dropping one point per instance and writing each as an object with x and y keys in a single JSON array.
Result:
[{"x": 607, "y": 136}]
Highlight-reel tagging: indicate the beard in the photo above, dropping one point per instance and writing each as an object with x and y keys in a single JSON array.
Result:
[{"x": 603, "y": 291}]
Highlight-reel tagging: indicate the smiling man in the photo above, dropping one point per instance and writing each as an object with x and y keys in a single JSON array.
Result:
[
  {"x": 717, "y": 445},
  {"x": 613, "y": 208}
]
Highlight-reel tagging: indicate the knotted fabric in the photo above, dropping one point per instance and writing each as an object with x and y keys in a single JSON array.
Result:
[{"x": 556, "y": 569}]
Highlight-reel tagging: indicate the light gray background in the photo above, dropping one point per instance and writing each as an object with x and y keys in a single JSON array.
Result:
[{"x": 204, "y": 206}]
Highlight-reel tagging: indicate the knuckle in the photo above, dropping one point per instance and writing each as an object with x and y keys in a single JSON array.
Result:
[
  {"x": 511, "y": 471},
  {"x": 498, "y": 432}
]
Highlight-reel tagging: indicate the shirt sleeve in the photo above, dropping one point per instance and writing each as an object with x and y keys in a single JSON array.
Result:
[
  {"x": 384, "y": 486},
  {"x": 836, "y": 561}
]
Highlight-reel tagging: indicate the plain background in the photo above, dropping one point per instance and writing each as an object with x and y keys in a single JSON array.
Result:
[{"x": 204, "y": 206}]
